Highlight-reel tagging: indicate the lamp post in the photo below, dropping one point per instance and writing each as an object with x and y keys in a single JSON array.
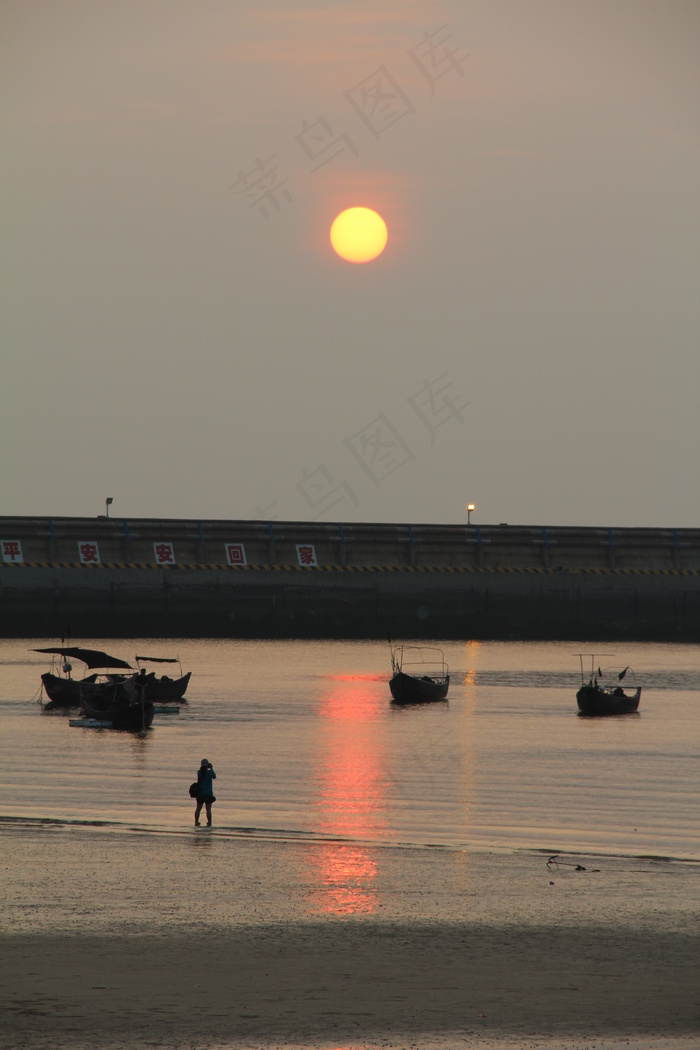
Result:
[
  {"x": 107, "y": 503},
  {"x": 470, "y": 508}
]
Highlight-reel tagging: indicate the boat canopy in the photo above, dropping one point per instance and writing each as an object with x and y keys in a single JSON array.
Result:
[
  {"x": 92, "y": 657},
  {"x": 418, "y": 660},
  {"x": 158, "y": 659}
]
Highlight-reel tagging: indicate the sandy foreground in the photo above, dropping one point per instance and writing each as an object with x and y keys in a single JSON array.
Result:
[{"x": 218, "y": 939}]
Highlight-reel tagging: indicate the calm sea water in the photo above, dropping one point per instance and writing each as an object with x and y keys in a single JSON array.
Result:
[{"x": 305, "y": 741}]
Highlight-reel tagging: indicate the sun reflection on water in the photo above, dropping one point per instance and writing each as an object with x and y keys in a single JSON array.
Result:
[{"x": 350, "y": 783}]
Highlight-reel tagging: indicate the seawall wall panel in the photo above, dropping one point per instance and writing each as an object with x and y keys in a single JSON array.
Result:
[{"x": 417, "y": 581}]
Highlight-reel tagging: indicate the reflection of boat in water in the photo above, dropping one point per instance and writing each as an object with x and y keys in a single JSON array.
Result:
[
  {"x": 419, "y": 674},
  {"x": 602, "y": 694},
  {"x": 65, "y": 691},
  {"x": 164, "y": 689},
  {"x": 123, "y": 704}
]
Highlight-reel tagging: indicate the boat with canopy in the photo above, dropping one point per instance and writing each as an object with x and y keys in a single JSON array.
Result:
[
  {"x": 419, "y": 674},
  {"x": 601, "y": 693},
  {"x": 65, "y": 691}
]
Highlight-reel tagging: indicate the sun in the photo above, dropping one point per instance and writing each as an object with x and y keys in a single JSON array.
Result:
[{"x": 358, "y": 235}]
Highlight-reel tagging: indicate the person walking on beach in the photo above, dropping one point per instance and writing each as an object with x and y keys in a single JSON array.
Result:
[{"x": 205, "y": 779}]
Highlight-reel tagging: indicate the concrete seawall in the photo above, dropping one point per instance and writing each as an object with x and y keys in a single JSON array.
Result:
[{"x": 87, "y": 577}]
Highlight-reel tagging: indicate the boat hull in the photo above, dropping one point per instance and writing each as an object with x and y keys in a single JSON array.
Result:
[
  {"x": 121, "y": 713},
  {"x": 167, "y": 690},
  {"x": 120, "y": 703},
  {"x": 62, "y": 692},
  {"x": 409, "y": 689},
  {"x": 592, "y": 700},
  {"x": 163, "y": 690}
]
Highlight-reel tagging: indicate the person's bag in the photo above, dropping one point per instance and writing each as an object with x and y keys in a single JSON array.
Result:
[{"x": 194, "y": 789}]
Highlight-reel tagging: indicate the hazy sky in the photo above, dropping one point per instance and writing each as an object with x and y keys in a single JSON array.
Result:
[{"x": 178, "y": 334}]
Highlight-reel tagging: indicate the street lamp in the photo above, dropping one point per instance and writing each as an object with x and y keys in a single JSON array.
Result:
[
  {"x": 470, "y": 508},
  {"x": 107, "y": 503}
]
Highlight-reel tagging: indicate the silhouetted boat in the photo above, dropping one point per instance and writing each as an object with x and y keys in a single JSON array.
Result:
[
  {"x": 419, "y": 674},
  {"x": 602, "y": 694},
  {"x": 66, "y": 691},
  {"x": 122, "y": 704},
  {"x": 164, "y": 689}
]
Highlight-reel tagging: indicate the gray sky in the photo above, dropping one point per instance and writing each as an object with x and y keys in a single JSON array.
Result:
[{"x": 178, "y": 334}]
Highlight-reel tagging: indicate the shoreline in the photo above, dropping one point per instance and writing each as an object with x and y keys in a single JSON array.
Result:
[{"x": 14, "y": 822}]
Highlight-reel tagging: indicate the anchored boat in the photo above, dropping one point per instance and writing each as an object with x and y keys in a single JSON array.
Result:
[
  {"x": 124, "y": 706},
  {"x": 419, "y": 674},
  {"x": 163, "y": 690},
  {"x": 601, "y": 693},
  {"x": 65, "y": 691}
]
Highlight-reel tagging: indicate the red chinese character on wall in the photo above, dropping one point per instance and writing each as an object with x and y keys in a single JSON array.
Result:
[
  {"x": 12, "y": 551},
  {"x": 89, "y": 553},
  {"x": 165, "y": 553},
  {"x": 306, "y": 554},
  {"x": 235, "y": 554}
]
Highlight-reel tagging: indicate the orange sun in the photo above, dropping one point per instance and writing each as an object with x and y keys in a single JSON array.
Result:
[{"x": 358, "y": 235}]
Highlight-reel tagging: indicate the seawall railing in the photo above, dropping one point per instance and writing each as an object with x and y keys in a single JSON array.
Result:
[{"x": 172, "y": 542}]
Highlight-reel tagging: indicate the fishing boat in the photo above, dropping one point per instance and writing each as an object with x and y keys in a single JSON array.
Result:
[
  {"x": 163, "y": 689},
  {"x": 65, "y": 691},
  {"x": 122, "y": 706},
  {"x": 419, "y": 674},
  {"x": 600, "y": 692}
]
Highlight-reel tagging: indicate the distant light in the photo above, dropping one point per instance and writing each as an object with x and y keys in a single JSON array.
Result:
[
  {"x": 470, "y": 508},
  {"x": 109, "y": 500}
]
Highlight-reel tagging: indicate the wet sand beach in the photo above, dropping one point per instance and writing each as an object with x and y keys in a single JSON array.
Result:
[{"x": 116, "y": 937}]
